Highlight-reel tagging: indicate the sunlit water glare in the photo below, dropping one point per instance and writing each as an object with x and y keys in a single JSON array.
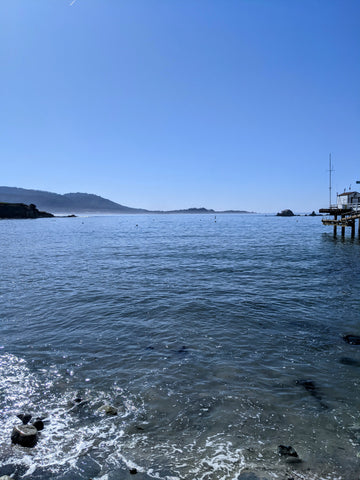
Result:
[{"x": 200, "y": 331}]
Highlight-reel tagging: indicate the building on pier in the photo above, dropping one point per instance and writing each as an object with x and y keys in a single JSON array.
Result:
[
  {"x": 349, "y": 200},
  {"x": 345, "y": 213}
]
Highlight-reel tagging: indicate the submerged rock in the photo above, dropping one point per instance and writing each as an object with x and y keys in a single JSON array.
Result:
[
  {"x": 287, "y": 451},
  {"x": 350, "y": 361},
  {"x": 133, "y": 471},
  {"x": 312, "y": 389},
  {"x": 183, "y": 349},
  {"x": 352, "y": 339},
  {"x": 107, "y": 409},
  {"x": 24, "y": 435}
]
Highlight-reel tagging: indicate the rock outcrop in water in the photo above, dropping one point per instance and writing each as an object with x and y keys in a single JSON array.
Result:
[
  {"x": 24, "y": 435},
  {"x": 20, "y": 210},
  {"x": 286, "y": 213},
  {"x": 287, "y": 451},
  {"x": 352, "y": 339},
  {"x": 108, "y": 410}
]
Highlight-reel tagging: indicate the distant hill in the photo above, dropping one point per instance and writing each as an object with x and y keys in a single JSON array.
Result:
[
  {"x": 67, "y": 203},
  {"x": 81, "y": 203},
  {"x": 188, "y": 210}
]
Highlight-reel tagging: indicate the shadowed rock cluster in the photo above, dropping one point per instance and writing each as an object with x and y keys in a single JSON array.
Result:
[{"x": 20, "y": 210}]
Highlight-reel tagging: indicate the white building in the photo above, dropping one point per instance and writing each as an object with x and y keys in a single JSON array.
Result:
[{"x": 349, "y": 200}]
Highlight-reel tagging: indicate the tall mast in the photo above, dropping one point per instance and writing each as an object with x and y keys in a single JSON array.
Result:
[{"x": 330, "y": 170}]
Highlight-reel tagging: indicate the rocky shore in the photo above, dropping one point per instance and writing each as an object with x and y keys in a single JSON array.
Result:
[{"x": 20, "y": 210}]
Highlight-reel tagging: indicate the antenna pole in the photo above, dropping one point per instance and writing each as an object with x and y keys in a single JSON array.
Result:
[{"x": 330, "y": 170}]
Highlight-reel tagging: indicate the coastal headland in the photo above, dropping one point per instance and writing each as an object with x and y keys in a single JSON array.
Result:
[
  {"x": 20, "y": 210},
  {"x": 82, "y": 203}
]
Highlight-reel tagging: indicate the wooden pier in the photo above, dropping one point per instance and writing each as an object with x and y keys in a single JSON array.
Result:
[{"x": 343, "y": 217}]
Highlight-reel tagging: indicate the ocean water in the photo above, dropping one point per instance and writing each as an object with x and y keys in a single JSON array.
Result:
[{"x": 217, "y": 339}]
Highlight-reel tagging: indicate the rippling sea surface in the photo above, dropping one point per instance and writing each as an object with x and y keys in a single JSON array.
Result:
[{"x": 216, "y": 339}]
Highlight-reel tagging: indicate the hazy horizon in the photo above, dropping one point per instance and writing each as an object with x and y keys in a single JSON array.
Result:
[{"x": 165, "y": 106}]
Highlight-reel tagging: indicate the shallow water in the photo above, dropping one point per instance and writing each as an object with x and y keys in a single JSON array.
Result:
[{"x": 201, "y": 331}]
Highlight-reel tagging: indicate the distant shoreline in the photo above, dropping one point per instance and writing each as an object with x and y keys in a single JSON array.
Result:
[{"x": 86, "y": 203}]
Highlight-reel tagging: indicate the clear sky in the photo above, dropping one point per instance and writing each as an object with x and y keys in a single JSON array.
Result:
[{"x": 164, "y": 104}]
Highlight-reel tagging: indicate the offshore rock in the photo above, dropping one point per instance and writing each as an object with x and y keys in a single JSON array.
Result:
[
  {"x": 352, "y": 339},
  {"x": 108, "y": 410},
  {"x": 24, "y": 435},
  {"x": 350, "y": 361},
  {"x": 133, "y": 471},
  {"x": 24, "y": 417},
  {"x": 287, "y": 451},
  {"x": 38, "y": 423},
  {"x": 20, "y": 210},
  {"x": 285, "y": 213}
]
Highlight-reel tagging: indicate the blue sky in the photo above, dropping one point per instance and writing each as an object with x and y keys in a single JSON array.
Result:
[{"x": 164, "y": 104}]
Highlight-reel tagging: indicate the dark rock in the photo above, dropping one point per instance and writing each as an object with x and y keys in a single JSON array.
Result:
[
  {"x": 352, "y": 339},
  {"x": 108, "y": 410},
  {"x": 183, "y": 349},
  {"x": 17, "y": 470},
  {"x": 313, "y": 214},
  {"x": 249, "y": 476},
  {"x": 38, "y": 423},
  {"x": 285, "y": 213},
  {"x": 78, "y": 400},
  {"x": 287, "y": 451},
  {"x": 350, "y": 361},
  {"x": 24, "y": 417},
  {"x": 312, "y": 389},
  {"x": 133, "y": 471},
  {"x": 20, "y": 210},
  {"x": 293, "y": 460},
  {"x": 24, "y": 435}
]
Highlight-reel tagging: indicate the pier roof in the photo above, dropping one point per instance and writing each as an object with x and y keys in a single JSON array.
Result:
[{"x": 346, "y": 193}]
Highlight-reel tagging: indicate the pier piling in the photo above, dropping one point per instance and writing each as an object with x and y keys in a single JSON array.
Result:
[{"x": 348, "y": 217}]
